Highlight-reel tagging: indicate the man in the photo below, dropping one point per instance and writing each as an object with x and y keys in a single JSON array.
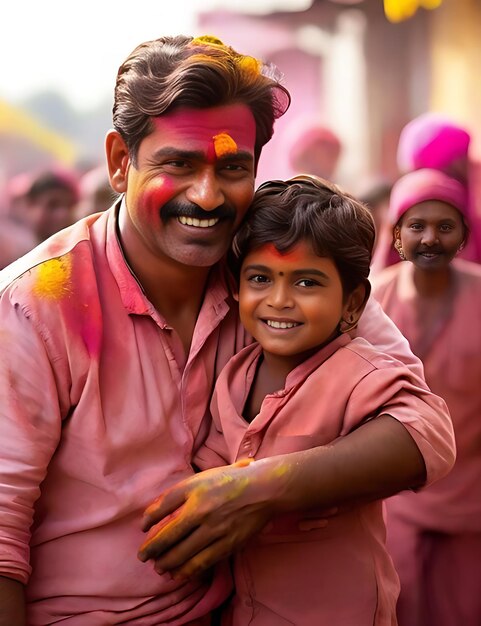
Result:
[{"x": 113, "y": 332}]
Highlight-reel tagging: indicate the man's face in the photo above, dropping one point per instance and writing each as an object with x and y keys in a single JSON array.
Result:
[{"x": 192, "y": 183}]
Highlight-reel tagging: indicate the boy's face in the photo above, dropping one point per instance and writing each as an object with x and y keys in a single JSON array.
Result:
[
  {"x": 192, "y": 183},
  {"x": 291, "y": 303},
  {"x": 431, "y": 233}
]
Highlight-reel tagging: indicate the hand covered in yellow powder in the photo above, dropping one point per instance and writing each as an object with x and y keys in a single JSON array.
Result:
[{"x": 204, "y": 518}]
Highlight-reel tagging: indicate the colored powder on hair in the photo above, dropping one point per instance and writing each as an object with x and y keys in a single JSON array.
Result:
[
  {"x": 224, "y": 144},
  {"x": 53, "y": 278},
  {"x": 250, "y": 65}
]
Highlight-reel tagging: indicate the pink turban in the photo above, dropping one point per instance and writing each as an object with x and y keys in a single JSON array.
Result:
[
  {"x": 431, "y": 140},
  {"x": 422, "y": 185}
]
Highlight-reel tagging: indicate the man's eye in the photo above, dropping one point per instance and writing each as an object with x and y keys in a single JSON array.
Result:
[{"x": 177, "y": 163}]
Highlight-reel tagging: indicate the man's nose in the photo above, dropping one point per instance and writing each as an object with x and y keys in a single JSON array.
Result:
[{"x": 206, "y": 191}]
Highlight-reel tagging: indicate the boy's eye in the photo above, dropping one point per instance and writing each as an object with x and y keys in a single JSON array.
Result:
[
  {"x": 307, "y": 282},
  {"x": 258, "y": 279}
]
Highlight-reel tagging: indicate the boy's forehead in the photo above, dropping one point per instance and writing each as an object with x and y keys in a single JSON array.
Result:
[{"x": 227, "y": 129}]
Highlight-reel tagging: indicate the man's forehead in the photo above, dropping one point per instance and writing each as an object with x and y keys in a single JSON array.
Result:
[{"x": 228, "y": 128}]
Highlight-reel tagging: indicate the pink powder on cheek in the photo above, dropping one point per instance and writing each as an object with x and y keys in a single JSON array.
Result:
[{"x": 152, "y": 199}]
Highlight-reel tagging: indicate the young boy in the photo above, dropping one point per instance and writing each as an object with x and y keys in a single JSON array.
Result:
[{"x": 303, "y": 256}]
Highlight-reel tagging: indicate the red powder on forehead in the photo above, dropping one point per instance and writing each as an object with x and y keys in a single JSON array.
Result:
[{"x": 293, "y": 255}]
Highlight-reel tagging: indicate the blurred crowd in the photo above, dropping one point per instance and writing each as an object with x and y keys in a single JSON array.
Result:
[{"x": 36, "y": 204}]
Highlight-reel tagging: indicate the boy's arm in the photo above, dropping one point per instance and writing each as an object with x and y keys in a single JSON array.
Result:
[{"x": 12, "y": 602}]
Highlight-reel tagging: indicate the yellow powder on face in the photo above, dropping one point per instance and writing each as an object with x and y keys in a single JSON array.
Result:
[
  {"x": 53, "y": 278},
  {"x": 224, "y": 144}
]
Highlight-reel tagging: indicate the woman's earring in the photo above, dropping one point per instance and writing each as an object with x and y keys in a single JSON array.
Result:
[{"x": 399, "y": 248}]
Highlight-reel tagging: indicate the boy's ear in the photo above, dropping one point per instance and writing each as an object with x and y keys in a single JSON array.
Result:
[
  {"x": 118, "y": 160},
  {"x": 356, "y": 303}
]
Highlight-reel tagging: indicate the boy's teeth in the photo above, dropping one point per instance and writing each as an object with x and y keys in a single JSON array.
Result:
[
  {"x": 193, "y": 221},
  {"x": 275, "y": 324}
]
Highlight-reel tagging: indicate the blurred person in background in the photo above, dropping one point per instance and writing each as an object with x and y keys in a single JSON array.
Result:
[
  {"x": 15, "y": 238},
  {"x": 433, "y": 140},
  {"x": 96, "y": 193},
  {"x": 49, "y": 202},
  {"x": 375, "y": 194},
  {"x": 313, "y": 149},
  {"x": 434, "y": 298}
]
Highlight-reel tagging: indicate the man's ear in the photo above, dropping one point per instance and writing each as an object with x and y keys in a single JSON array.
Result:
[
  {"x": 356, "y": 302},
  {"x": 117, "y": 160}
]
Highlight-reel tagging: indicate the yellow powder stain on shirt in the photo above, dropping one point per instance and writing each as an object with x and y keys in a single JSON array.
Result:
[
  {"x": 53, "y": 278},
  {"x": 224, "y": 144}
]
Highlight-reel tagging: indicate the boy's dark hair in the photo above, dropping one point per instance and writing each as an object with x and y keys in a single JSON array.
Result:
[
  {"x": 308, "y": 208},
  {"x": 167, "y": 73}
]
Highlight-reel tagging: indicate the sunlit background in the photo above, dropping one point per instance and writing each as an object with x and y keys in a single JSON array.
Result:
[{"x": 364, "y": 68}]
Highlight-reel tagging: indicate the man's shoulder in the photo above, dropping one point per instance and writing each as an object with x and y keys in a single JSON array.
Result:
[
  {"x": 370, "y": 358},
  {"x": 48, "y": 270},
  {"x": 58, "y": 251}
]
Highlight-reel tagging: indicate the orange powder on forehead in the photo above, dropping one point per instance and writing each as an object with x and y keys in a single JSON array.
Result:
[
  {"x": 53, "y": 278},
  {"x": 223, "y": 145},
  {"x": 293, "y": 255}
]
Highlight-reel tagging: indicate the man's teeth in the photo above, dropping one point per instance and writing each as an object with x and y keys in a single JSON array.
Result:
[
  {"x": 193, "y": 221},
  {"x": 275, "y": 324}
]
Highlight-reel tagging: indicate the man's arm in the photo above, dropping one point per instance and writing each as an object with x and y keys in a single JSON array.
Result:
[
  {"x": 206, "y": 517},
  {"x": 12, "y": 602}
]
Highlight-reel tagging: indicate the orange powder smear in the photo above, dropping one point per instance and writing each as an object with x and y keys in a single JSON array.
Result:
[
  {"x": 53, "y": 278},
  {"x": 224, "y": 144}
]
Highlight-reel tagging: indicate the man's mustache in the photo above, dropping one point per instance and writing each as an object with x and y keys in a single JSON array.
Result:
[{"x": 174, "y": 209}]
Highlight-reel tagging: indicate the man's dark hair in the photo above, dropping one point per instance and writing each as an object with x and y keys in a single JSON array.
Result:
[
  {"x": 308, "y": 208},
  {"x": 167, "y": 73}
]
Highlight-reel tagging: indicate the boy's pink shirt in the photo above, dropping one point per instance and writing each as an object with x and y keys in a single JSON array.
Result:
[{"x": 340, "y": 574}]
